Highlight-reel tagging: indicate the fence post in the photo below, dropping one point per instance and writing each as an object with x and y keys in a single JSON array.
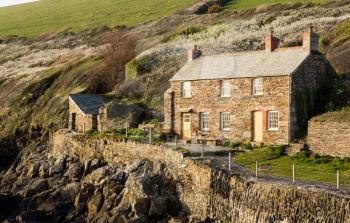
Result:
[
  {"x": 229, "y": 161},
  {"x": 202, "y": 145},
  {"x": 337, "y": 179},
  {"x": 256, "y": 170},
  {"x": 293, "y": 173},
  {"x": 126, "y": 130},
  {"x": 150, "y": 135}
]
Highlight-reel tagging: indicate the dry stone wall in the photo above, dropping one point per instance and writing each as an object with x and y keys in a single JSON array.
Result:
[
  {"x": 207, "y": 192},
  {"x": 329, "y": 138}
]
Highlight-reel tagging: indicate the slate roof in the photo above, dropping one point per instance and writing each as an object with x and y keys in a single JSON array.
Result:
[
  {"x": 88, "y": 103},
  {"x": 283, "y": 61}
]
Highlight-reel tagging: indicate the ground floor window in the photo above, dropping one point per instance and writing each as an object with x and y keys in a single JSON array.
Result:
[
  {"x": 225, "y": 121},
  {"x": 204, "y": 121},
  {"x": 273, "y": 120}
]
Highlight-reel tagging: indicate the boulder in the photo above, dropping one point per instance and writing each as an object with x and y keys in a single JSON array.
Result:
[
  {"x": 142, "y": 206},
  {"x": 37, "y": 186},
  {"x": 94, "y": 206},
  {"x": 120, "y": 177},
  {"x": 158, "y": 207},
  {"x": 59, "y": 166},
  {"x": 44, "y": 170},
  {"x": 135, "y": 166},
  {"x": 74, "y": 171},
  {"x": 33, "y": 170}
]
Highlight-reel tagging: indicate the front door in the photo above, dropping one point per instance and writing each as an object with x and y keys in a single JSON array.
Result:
[
  {"x": 186, "y": 126},
  {"x": 258, "y": 126}
]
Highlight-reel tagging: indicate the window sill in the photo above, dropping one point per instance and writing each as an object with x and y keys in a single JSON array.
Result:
[
  {"x": 224, "y": 96},
  {"x": 225, "y": 130},
  {"x": 273, "y": 130},
  {"x": 186, "y": 97}
]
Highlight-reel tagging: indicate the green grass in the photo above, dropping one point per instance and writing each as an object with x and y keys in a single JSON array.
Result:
[
  {"x": 337, "y": 36},
  {"x": 307, "y": 167},
  {"x": 247, "y": 4},
  {"x": 43, "y": 16}
]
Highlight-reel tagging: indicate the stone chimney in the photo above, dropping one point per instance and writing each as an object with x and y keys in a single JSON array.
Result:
[
  {"x": 310, "y": 40},
  {"x": 271, "y": 42},
  {"x": 194, "y": 53}
]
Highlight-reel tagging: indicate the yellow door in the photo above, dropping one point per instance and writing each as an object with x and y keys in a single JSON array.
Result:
[
  {"x": 258, "y": 126},
  {"x": 186, "y": 126}
]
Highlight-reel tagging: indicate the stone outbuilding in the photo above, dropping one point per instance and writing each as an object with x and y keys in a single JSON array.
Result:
[
  {"x": 86, "y": 112},
  {"x": 264, "y": 96}
]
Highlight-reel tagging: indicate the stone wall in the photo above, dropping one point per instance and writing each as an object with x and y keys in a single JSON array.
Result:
[
  {"x": 329, "y": 137},
  {"x": 241, "y": 104},
  {"x": 206, "y": 192}
]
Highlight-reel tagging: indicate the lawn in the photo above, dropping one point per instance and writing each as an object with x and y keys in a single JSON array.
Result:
[
  {"x": 246, "y": 4},
  {"x": 308, "y": 167},
  {"x": 43, "y": 16}
]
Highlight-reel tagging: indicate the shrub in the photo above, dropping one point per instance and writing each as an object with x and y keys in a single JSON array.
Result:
[
  {"x": 303, "y": 155},
  {"x": 119, "y": 131},
  {"x": 137, "y": 132},
  {"x": 214, "y": 8},
  {"x": 247, "y": 146}
]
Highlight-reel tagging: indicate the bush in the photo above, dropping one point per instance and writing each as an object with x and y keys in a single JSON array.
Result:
[
  {"x": 119, "y": 131},
  {"x": 137, "y": 132},
  {"x": 247, "y": 146},
  {"x": 214, "y": 8}
]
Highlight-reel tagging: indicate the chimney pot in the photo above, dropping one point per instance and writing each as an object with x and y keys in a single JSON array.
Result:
[
  {"x": 194, "y": 53},
  {"x": 310, "y": 40},
  {"x": 271, "y": 42}
]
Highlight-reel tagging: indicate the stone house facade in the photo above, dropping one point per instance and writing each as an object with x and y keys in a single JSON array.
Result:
[
  {"x": 262, "y": 96},
  {"x": 86, "y": 112}
]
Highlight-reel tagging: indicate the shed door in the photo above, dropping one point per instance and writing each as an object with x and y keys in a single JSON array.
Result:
[
  {"x": 258, "y": 126},
  {"x": 74, "y": 118},
  {"x": 94, "y": 122},
  {"x": 186, "y": 126}
]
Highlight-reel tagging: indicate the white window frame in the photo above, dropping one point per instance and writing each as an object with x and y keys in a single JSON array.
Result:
[
  {"x": 225, "y": 88},
  {"x": 273, "y": 120},
  {"x": 204, "y": 121},
  {"x": 186, "y": 89},
  {"x": 225, "y": 117},
  {"x": 258, "y": 86}
]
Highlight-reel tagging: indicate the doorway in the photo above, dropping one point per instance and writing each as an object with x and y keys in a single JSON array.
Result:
[
  {"x": 257, "y": 126},
  {"x": 74, "y": 121},
  {"x": 186, "y": 126}
]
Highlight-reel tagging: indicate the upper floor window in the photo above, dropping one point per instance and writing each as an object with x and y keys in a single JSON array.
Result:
[
  {"x": 273, "y": 120},
  {"x": 186, "y": 89},
  {"x": 225, "y": 88},
  {"x": 225, "y": 121},
  {"x": 205, "y": 121},
  {"x": 258, "y": 86}
]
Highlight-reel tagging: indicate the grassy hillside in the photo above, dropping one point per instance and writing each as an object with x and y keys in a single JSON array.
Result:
[
  {"x": 51, "y": 15},
  {"x": 246, "y": 4}
]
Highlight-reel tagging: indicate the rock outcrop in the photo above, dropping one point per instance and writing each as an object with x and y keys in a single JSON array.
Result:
[{"x": 66, "y": 189}]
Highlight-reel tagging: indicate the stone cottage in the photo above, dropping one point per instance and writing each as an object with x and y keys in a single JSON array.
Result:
[
  {"x": 86, "y": 112},
  {"x": 262, "y": 96}
]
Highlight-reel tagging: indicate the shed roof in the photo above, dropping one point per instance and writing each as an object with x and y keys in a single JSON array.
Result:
[
  {"x": 282, "y": 61},
  {"x": 88, "y": 103}
]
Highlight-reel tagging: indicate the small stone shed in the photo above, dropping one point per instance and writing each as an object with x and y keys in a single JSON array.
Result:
[
  {"x": 329, "y": 134},
  {"x": 86, "y": 112}
]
